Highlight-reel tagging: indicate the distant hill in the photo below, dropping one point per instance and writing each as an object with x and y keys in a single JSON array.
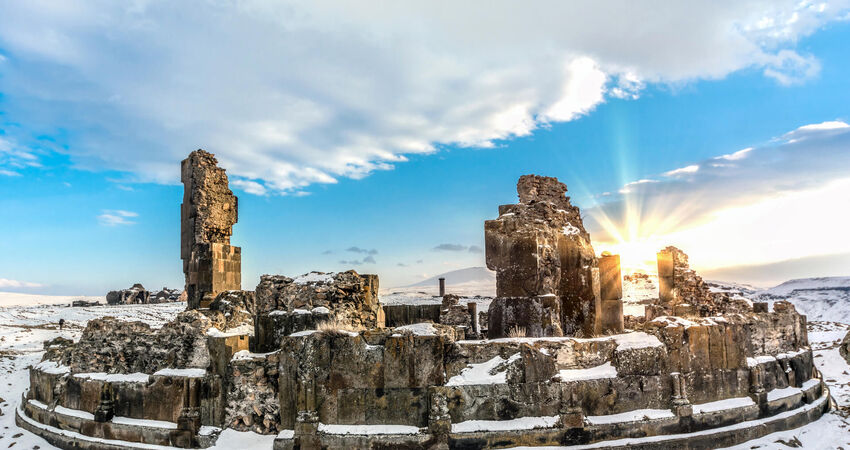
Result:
[
  {"x": 820, "y": 299},
  {"x": 481, "y": 275}
]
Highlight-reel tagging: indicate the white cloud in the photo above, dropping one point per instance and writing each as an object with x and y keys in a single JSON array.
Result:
[
  {"x": 628, "y": 186},
  {"x": 251, "y": 187},
  {"x": 7, "y": 283},
  {"x": 740, "y": 154},
  {"x": 290, "y": 94},
  {"x": 782, "y": 200},
  {"x": 693, "y": 168},
  {"x": 114, "y": 217}
]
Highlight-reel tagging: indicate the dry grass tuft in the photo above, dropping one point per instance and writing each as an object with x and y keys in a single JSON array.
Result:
[
  {"x": 516, "y": 332},
  {"x": 335, "y": 327}
]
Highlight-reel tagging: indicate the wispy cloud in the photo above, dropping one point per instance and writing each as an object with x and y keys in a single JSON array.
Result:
[
  {"x": 115, "y": 217},
  {"x": 475, "y": 249},
  {"x": 371, "y": 251},
  {"x": 324, "y": 94},
  {"x": 450, "y": 248},
  {"x": 779, "y": 200},
  {"x": 369, "y": 259},
  {"x": 7, "y": 283}
]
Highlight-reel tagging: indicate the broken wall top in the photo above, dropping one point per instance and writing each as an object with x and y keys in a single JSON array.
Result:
[
  {"x": 349, "y": 296},
  {"x": 208, "y": 202}
]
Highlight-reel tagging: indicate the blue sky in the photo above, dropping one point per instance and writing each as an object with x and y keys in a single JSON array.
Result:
[{"x": 390, "y": 137}]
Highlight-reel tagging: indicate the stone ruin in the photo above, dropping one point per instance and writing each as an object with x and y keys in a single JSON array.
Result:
[
  {"x": 548, "y": 279},
  {"x": 209, "y": 211},
  {"x": 137, "y": 294},
  {"x": 311, "y": 361}
]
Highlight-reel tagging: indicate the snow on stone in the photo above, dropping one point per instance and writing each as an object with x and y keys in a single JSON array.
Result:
[
  {"x": 752, "y": 362},
  {"x": 241, "y": 330},
  {"x": 631, "y": 416},
  {"x": 188, "y": 373},
  {"x": 810, "y": 384},
  {"x": 136, "y": 377},
  {"x": 569, "y": 230},
  {"x": 243, "y": 440},
  {"x": 636, "y": 339},
  {"x": 245, "y": 355},
  {"x": 417, "y": 329},
  {"x": 301, "y": 311},
  {"x": 367, "y": 429},
  {"x": 144, "y": 422},
  {"x": 320, "y": 310},
  {"x": 286, "y": 434},
  {"x": 720, "y": 405},
  {"x": 778, "y": 394},
  {"x": 304, "y": 333},
  {"x": 484, "y": 373},
  {"x": 788, "y": 355},
  {"x": 315, "y": 277},
  {"x": 52, "y": 367},
  {"x": 520, "y": 423},
  {"x": 594, "y": 373}
]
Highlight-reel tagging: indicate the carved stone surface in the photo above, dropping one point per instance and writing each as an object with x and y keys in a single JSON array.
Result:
[
  {"x": 209, "y": 211},
  {"x": 539, "y": 247}
]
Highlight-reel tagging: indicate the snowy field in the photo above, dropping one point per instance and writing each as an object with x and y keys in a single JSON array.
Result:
[{"x": 23, "y": 329}]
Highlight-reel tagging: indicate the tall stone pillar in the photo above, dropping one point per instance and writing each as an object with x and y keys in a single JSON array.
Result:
[
  {"x": 610, "y": 317},
  {"x": 665, "y": 277},
  {"x": 209, "y": 211},
  {"x": 442, "y": 287},
  {"x": 544, "y": 264}
]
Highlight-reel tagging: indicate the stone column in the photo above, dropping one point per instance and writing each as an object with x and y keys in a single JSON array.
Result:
[
  {"x": 757, "y": 392},
  {"x": 439, "y": 420},
  {"x": 681, "y": 405},
  {"x": 307, "y": 419},
  {"x": 472, "y": 309},
  {"x": 442, "y": 286},
  {"x": 189, "y": 422},
  {"x": 665, "y": 277},
  {"x": 610, "y": 319}
]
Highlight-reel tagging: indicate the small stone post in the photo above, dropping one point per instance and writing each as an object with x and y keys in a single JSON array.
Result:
[
  {"x": 106, "y": 408},
  {"x": 442, "y": 287},
  {"x": 472, "y": 309},
  {"x": 307, "y": 420},
  {"x": 681, "y": 405},
  {"x": 757, "y": 392}
]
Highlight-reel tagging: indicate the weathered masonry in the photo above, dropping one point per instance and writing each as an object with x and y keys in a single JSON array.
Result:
[
  {"x": 309, "y": 361},
  {"x": 209, "y": 211}
]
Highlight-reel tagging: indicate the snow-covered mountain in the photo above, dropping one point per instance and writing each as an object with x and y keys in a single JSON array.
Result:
[
  {"x": 470, "y": 275},
  {"x": 820, "y": 299},
  {"x": 18, "y": 299}
]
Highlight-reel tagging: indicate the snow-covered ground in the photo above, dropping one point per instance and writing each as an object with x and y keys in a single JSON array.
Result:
[
  {"x": 23, "y": 329},
  {"x": 18, "y": 299}
]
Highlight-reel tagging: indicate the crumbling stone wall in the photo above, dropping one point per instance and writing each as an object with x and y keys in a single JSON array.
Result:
[
  {"x": 252, "y": 396},
  {"x": 351, "y": 298},
  {"x": 114, "y": 346},
  {"x": 678, "y": 284},
  {"x": 539, "y": 248},
  {"x": 232, "y": 310},
  {"x": 208, "y": 213}
]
